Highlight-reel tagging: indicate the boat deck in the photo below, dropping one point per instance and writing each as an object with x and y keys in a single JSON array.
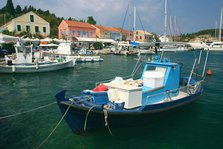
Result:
[{"x": 179, "y": 96}]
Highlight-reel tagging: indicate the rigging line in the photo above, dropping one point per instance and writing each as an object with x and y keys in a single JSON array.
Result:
[
  {"x": 20, "y": 113},
  {"x": 136, "y": 66},
  {"x": 47, "y": 138},
  {"x": 141, "y": 23},
  {"x": 124, "y": 18},
  {"x": 133, "y": 74}
]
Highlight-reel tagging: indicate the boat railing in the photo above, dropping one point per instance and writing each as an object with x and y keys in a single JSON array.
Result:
[{"x": 168, "y": 94}]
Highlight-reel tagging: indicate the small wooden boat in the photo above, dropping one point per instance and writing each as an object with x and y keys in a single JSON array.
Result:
[{"x": 122, "y": 103}]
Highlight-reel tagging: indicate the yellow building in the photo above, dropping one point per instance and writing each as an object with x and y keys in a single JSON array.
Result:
[
  {"x": 142, "y": 36},
  {"x": 29, "y": 22}
]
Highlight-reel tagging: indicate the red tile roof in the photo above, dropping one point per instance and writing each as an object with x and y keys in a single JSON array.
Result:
[
  {"x": 111, "y": 29},
  {"x": 108, "y": 29},
  {"x": 124, "y": 31},
  {"x": 102, "y": 28},
  {"x": 79, "y": 24}
]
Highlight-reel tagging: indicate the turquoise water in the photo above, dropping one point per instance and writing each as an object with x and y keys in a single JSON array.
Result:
[{"x": 198, "y": 125}]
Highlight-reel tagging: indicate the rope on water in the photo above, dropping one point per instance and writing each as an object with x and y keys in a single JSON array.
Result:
[
  {"x": 85, "y": 122},
  {"x": 106, "y": 120},
  {"x": 20, "y": 113},
  {"x": 47, "y": 138}
]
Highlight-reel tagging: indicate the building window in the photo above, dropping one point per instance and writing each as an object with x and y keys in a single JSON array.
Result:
[
  {"x": 31, "y": 18},
  {"x": 27, "y": 28},
  {"x": 119, "y": 36},
  {"x": 87, "y": 34},
  {"x": 64, "y": 33},
  {"x": 114, "y": 36},
  {"x": 72, "y": 33},
  {"x": 37, "y": 29},
  {"x": 136, "y": 32},
  {"x": 84, "y": 34},
  {"x": 90, "y": 34},
  {"x": 140, "y": 37},
  {"x": 111, "y": 36},
  {"x": 79, "y": 33},
  {"x": 44, "y": 29},
  {"x": 19, "y": 28}
]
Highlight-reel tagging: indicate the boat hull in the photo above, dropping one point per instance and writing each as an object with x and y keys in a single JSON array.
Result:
[
  {"x": 81, "y": 117},
  {"x": 31, "y": 68}
]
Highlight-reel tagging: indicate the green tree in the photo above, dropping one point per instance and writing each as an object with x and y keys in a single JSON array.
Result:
[
  {"x": 91, "y": 20},
  {"x": 98, "y": 45},
  {"x": 123, "y": 37},
  {"x": 18, "y": 9},
  {"x": 82, "y": 20},
  {"x": 25, "y": 10},
  {"x": 10, "y": 8}
]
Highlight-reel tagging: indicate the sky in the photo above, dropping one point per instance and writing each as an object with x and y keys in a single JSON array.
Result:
[{"x": 191, "y": 15}]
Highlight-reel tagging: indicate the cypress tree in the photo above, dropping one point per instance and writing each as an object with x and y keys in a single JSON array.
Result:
[
  {"x": 10, "y": 8},
  {"x": 18, "y": 9}
]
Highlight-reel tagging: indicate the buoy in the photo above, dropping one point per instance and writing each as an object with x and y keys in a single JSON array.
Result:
[{"x": 209, "y": 72}]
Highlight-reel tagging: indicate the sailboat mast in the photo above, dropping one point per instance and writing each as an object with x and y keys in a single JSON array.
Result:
[
  {"x": 134, "y": 23},
  {"x": 165, "y": 21},
  {"x": 220, "y": 25},
  {"x": 130, "y": 29},
  {"x": 216, "y": 26}
]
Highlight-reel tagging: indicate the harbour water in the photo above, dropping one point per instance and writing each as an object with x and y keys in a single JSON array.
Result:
[{"x": 195, "y": 126}]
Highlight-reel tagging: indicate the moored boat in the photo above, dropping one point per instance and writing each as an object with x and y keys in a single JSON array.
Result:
[
  {"x": 122, "y": 103},
  {"x": 216, "y": 46},
  {"x": 25, "y": 60}
]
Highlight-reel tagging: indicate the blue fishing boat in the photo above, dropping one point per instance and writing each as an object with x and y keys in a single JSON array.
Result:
[{"x": 126, "y": 102}]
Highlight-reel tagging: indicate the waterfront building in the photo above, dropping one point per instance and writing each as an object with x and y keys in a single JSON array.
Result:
[
  {"x": 74, "y": 30},
  {"x": 128, "y": 34},
  {"x": 70, "y": 30},
  {"x": 29, "y": 22},
  {"x": 105, "y": 32},
  {"x": 102, "y": 32},
  {"x": 114, "y": 33},
  {"x": 143, "y": 36}
]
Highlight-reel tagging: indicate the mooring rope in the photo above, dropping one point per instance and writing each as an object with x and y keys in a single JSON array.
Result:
[
  {"x": 106, "y": 120},
  {"x": 85, "y": 122},
  {"x": 47, "y": 138},
  {"x": 20, "y": 113}
]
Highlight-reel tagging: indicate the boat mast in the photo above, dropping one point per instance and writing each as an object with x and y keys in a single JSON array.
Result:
[
  {"x": 130, "y": 23},
  {"x": 216, "y": 26},
  {"x": 165, "y": 21},
  {"x": 220, "y": 25},
  {"x": 134, "y": 23}
]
